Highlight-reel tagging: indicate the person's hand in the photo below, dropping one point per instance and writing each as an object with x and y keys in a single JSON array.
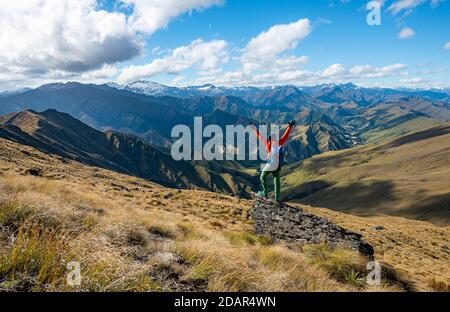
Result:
[{"x": 292, "y": 123}]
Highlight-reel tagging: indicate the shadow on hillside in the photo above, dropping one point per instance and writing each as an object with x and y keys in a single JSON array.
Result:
[
  {"x": 305, "y": 189},
  {"x": 435, "y": 209},
  {"x": 357, "y": 197}
]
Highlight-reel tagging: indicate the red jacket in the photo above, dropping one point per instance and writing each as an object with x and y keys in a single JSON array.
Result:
[{"x": 268, "y": 143}]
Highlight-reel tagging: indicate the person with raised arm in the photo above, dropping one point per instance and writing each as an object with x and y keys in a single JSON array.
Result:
[{"x": 275, "y": 151}]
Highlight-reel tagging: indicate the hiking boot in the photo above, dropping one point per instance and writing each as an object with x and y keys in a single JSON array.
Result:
[{"x": 262, "y": 194}]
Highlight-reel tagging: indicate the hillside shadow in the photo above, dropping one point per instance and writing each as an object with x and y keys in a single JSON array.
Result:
[
  {"x": 435, "y": 209},
  {"x": 356, "y": 197},
  {"x": 306, "y": 189}
]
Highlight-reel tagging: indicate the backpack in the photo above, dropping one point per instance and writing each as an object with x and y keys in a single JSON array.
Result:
[{"x": 277, "y": 152}]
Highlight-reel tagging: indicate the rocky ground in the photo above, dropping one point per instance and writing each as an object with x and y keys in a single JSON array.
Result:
[{"x": 286, "y": 223}]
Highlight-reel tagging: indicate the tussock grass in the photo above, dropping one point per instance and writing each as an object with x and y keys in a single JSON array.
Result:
[
  {"x": 123, "y": 244},
  {"x": 161, "y": 231},
  {"x": 105, "y": 268},
  {"x": 239, "y": 238},
  {"x": 13, "y": 214},
  {"x": 238, "y": 265},
  {"x": 38, "y": 253},
  {"x": 344, "y": 264},
  {"x": 438, "y": 286},
  {"x": 21, "y": 184}
]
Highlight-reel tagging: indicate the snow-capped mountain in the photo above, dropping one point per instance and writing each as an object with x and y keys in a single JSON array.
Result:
[
  {"x": 156, "y": 89},
  {"x": 145, "y": 87}
]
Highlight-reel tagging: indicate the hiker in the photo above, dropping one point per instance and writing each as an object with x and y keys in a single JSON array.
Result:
[{"x": 275, "y": 151}]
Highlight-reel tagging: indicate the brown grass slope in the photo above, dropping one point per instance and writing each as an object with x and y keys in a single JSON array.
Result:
[
  {"x": 131, "y": 234},
  {"x": 407, "y": 177}
]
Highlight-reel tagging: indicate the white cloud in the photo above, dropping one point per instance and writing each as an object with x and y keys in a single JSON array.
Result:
[
  {"x": 406, "y": 33},
  {"x": 268, "y": 45},
  {"x": 151, "y": 15},
  {"x": 98, "y": 74},
  {"x": 206, "y": 56},
  {"x": 65, "y": 35},
  {"x": 412, "y": 81},
  {"x": 435, "y": 3},
  {"x": 418, "y": 82},
  {"x": 334, "y": 70},
  {"x": 447, "y": 46},
  {"x": 363, "y": 71},
  {"x": 401, "y": 5},
  {"x": 333, "y": 73},
  {"x": 75, "y": 38}
]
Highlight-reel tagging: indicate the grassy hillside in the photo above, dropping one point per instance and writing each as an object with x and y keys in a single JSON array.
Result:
[
  {"x": 384, "y": 134},
  {"x": 389, "y": 121},
  {"x": 131, "y": 234},
  {"x": 406, "y": 177}
]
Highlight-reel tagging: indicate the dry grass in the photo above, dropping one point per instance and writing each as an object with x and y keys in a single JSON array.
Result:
[
  {"x": 413, "y": 248},
  {"x": 132, "y": 235}
]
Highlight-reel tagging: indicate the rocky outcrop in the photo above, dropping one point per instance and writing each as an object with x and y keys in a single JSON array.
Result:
[{"x": 285, "y": 223}]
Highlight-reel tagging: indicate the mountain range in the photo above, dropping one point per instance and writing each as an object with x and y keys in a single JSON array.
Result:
[{"x": 330, "y": 117}]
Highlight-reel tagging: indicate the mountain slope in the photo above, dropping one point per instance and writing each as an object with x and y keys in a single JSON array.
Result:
[
  {"x": 315, "y": 134},
  {"x": 61, "y": 134},
  {"x": 134, "y": 235},
  {"x": 388, "y": 121},
  {"x": 406, "y": 177}
]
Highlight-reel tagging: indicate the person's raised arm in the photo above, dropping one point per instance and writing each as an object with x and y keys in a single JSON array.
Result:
[{"x": 287, "y": 133}]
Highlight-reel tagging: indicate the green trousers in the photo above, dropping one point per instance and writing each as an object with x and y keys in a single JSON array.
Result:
[{"x": 276, "y": 182}]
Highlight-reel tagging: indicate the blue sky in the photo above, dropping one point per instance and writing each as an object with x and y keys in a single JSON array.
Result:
[{"x": 231, "y": 42}]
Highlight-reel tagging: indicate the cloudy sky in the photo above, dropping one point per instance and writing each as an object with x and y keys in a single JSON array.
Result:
[{"x": 224, "y": 42}]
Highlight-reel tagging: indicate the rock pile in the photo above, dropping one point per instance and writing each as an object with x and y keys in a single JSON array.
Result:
[{"x": 283, "y": 222}]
